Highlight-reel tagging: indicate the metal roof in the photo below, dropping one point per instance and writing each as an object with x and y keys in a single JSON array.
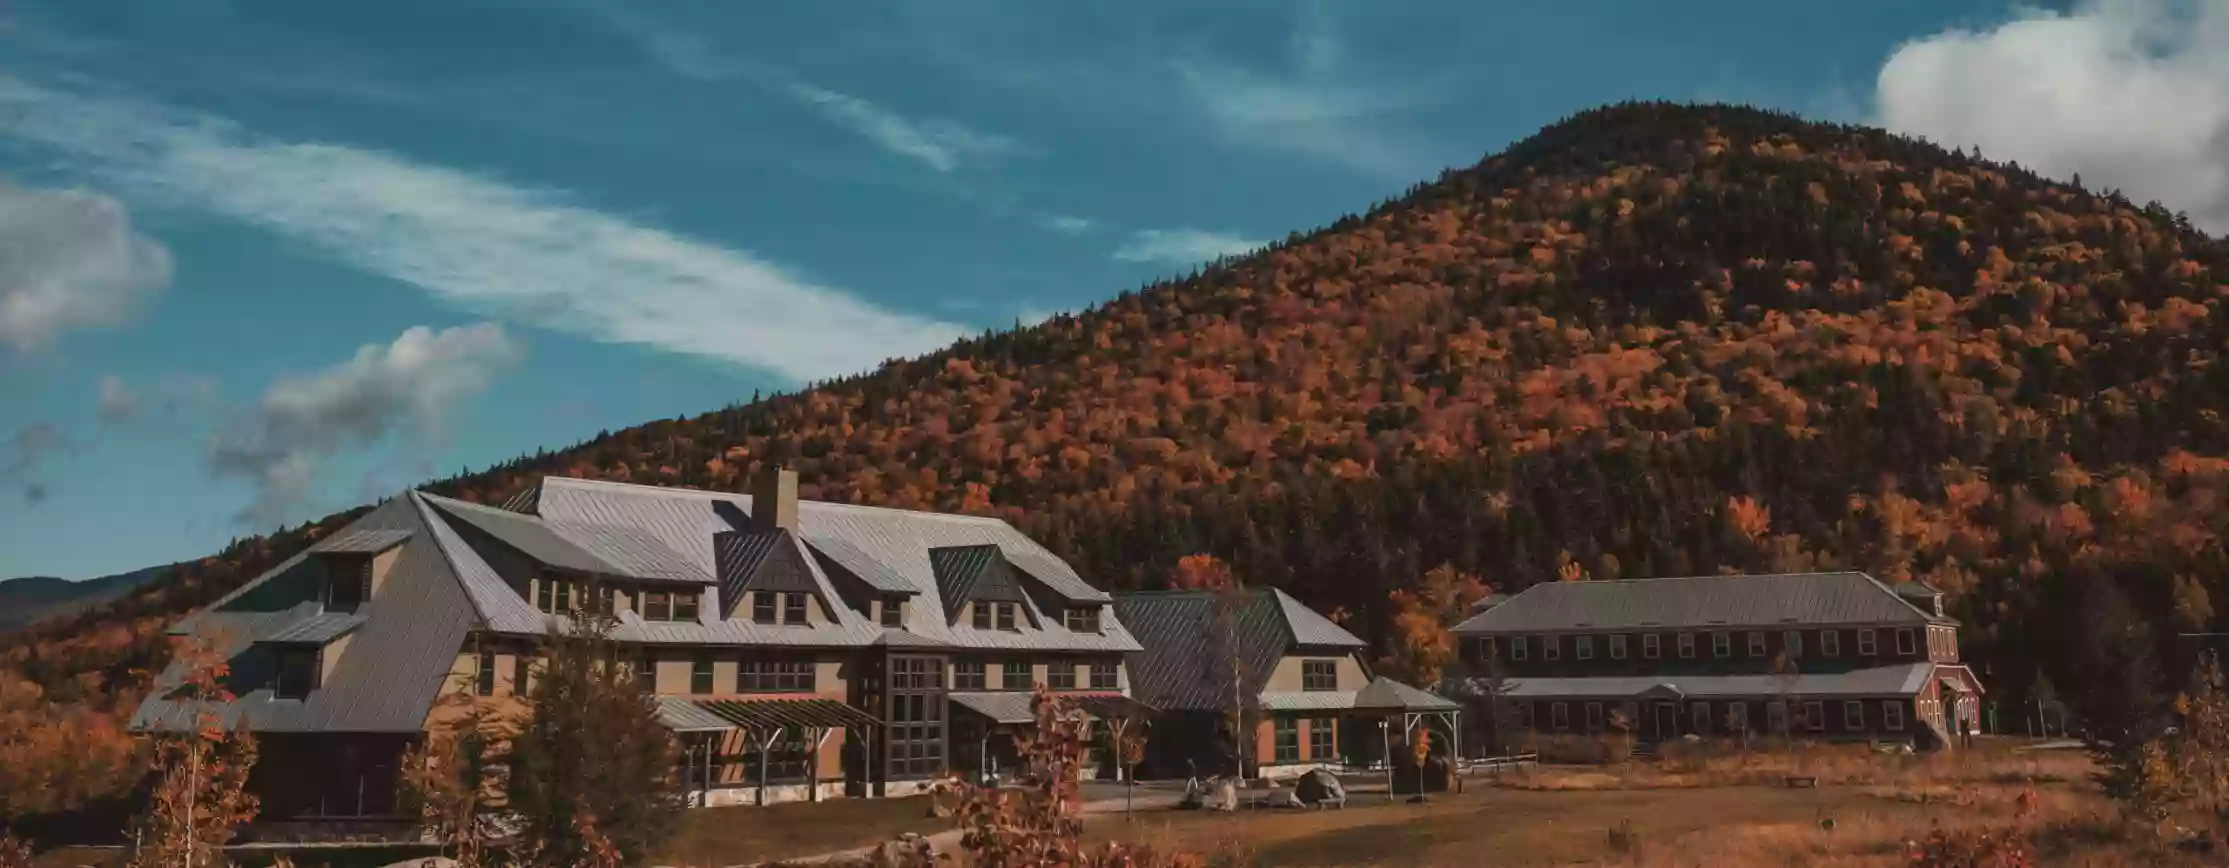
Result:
[
  {"x": 1898, "y": 680},
  {"x": 895, "y": 637},
  {"x": 887, "y": 549},
  {"x": 1386, "y": 694},
  {"x": 1183, "y": 664},
  {"x": 1311, "y": 629},
  {"x": 1308, "y": 700},
  {"x": 396, "y": 660},
  {"x": 355, "y": 540},
  {"x": 529, "y": 535},
  {"x": 1702, "y": 602},
  {"x": 315, "y": 628},
  {"x": 584, "y": 546},
  {"x": 1014, "y": 706},
  {"x": 770, "y": 714}
]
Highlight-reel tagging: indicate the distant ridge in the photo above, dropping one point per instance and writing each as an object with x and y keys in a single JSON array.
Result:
[{"x": 32, "y": 598}]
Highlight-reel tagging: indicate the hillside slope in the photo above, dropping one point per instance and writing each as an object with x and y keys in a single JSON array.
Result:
[
  {"x": 33, "y": 598},
  {"x": 1651, "y": 340}
]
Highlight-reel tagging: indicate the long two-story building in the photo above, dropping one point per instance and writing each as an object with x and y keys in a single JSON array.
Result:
[
  {"x": 1697, "y": 656},
  {"x": 798, "y": 649}
]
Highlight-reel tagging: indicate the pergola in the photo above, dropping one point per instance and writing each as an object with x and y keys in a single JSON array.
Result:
[
  {"x": 1012, "y": 709},
  {"x": 762, "y": 721},
  {"x": 1391, "y": 700}
]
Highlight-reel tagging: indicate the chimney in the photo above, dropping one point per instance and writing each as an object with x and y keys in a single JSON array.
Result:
[{"x": 774, "y": 499}]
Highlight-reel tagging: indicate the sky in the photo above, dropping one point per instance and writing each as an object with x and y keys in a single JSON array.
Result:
[{"x": 260, "y": 261}]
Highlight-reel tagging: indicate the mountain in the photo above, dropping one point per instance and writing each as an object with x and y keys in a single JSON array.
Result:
[
  {"x": 32, "y": 598},
  {"x": 1651, "y": 340}
]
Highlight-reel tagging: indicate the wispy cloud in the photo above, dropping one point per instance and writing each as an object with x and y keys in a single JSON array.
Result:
[
  {"x": 533, "y": 256},
  {"x": 1183, "y": 246},
  {"x": 938, "y": 143},
  {"x": 22, "y": 455},
  {"x": 1066, "y": 224},
  {"x": 171, "y": 400},
  {"x": 406, "y": 387},
  {"x": 1318, "y": 108},
  {"x": 70, "y": 259},
  {"x": 2132, "y": 94}
]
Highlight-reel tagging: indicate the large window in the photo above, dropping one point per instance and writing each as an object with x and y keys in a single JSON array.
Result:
[
  {"x": 1015, "y": 675},
  {"x": 916, "y": 730},
  {"x": 762, "y": 607},
  {"x": 483, "y": 682},
  {"x": 968, "y": 675},
  {"x": 700, "y": 675},
  {"x": 1081, "y": 619},
  {"x": 1323, "y": 738},
  {"x": 1319, "y": 675},
  {"x": 775, "y": 676},
  {"x": 1061, "y": 675},
  {"x": 1103, "y": 677},
  {"x": 1866, "y": 646},
  {"x": 793, "y": 609},
  {"x": 297, "y": 673},
  {"x": 1288, "y": 740}
]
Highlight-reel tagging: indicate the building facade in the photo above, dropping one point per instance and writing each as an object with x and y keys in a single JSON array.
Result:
[
  {"x": 1306, "y": 696},
  {"x": 1831, "y": 656},
  {"x": 797, "y": 649}
]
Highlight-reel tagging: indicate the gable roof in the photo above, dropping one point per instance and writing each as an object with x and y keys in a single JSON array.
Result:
[
  {"x": 588, "y": 547},
  {"x": 1710, "y": 602},
  {"x": 402, "y": 642},
  {"x": 886, "y": 549},
  {"x": 1181, "y": 666}
]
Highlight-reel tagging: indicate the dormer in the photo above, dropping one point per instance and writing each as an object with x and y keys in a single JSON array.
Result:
[
  {"x": 351, "y": 564},
  {"x": 765, "y": 579},
  {"x": 304, "y": 650},
  {"x": 977, "y": 582}
]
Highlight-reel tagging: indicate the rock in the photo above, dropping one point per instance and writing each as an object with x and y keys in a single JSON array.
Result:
[
  {"x": 1223, "y": 795},
  {"x": 1318, "y": 788}
]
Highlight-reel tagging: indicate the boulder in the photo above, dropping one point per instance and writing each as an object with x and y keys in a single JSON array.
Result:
[
  {"x": 1318, "y": 788},
  {"x": 1223, "y": 795}
]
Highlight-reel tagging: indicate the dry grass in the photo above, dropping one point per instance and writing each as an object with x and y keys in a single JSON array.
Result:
[{"x": 737, "y": 835}]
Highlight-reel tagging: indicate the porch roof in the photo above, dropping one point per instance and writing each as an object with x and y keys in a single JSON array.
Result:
[
  {"x": 1012, "y": 707},
  {"x": 1895, "y": 680},
  {"x": 710, "y": 715}
]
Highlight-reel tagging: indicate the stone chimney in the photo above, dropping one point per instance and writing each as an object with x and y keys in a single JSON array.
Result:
[{"x": 774, "y": 499}]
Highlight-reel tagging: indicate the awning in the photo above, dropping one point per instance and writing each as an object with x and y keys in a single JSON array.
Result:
[
  {"x": 316, "y": 629},
  {"x": 1012, "y": 707},
  {"x": 707, "y": 715}
]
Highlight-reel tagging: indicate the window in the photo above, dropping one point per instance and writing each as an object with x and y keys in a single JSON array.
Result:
[
  {"x": 1737, "y": 716},
  {"x": 700, "y": 675},
  {"x": 1486, "y": 650},
  {"x": 1776, "y": 716},
  {"x": 1815, "y": 716},
  {"x": 606, "y": 597},
  {"x": 1686, "y": 646},
  {"x": 685, "y": 605},
  {"x": 297, "y": 673},
  {"x": 1830, "y": 643},
  {"x": 894, "y": 613},
  {"x": 348, "y": 583},
  {"x": 647, "y": 671},
  {"x": 1081, "y": 619},
  {"x": 793, "y": 609},
  {"x": 1288, "y": 740},
  {"x": 1792, "y": 642},
  {"x": 1551, "y": 647},
  {"x": 1103, "y": 677},
  {"x": 979, "y": 615},
  {"x": 1585, "y": 650},
  {"x": 1323, "y": 738},
  {"x": 762, "y": 607},
  {"x": 1617, "y": 646},
  {"x": 1652, "y": 647},
  {"x": 788, "y": 762},
  {"x": 1594, "y": 717},
  {"x": 1015, "y": 675},
  {"x": 916, "y": 673},
  {"x": 1892, "y": 716},
  {"x": 1721, "y": 644},
  {"x": 1756, "y": 644},
  {"x": 564, "y": 596},
  {"x": 1061, "y": 675},
  {"x": 1865, "y": 644},
  {"x": 1516, "y": 647},
  {"x": 1005, "y": 615},
  {"x": 1527, "y": 715},
  {"x": 1559, "y": 715},
  {"x": 776, "y": 676},
  {"x": 545, "y": 596},
  {"x": 968, "y": 675},
  {"x": 1318, "y": 675},
  {"x": 1853, "y": 716},
  {"x": 1698, "y": 716},
  {"x": 916, "y": 729},
  {"x": 657, "y": 606},
  {"x": 1906, "y": 643},
  {"x": 484, "y": 682}
]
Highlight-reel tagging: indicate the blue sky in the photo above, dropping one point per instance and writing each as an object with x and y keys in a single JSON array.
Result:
[{"x": 272, "y": 259}]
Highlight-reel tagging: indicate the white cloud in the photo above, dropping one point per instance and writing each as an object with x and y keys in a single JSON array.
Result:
[
  {"x": 498, "y": 250},
  {"x": 1183, "y": 246},
  {"x": 1067, "y": 224},
  {"x": 70, "y": 259},
  {"x": 402, "y": 388},
  {"x": 1321, "y": 109},
  {"x": 937, "y": 143},
  {"x": 119, "y": 403},
  {"x": 2131, "y": 94}
]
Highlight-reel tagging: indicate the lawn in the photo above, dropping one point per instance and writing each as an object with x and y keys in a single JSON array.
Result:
[{"x": 741, "y": 835}]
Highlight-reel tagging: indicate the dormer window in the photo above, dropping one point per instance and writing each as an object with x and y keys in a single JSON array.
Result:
[
  {"x": 553, "y": 596},
  {"x": 297, "y": 673},
  {"x": 762, "y": 607},
  {"x": 348, "y": 583},
  {"x": 893, "y": 611},
  {"x": 1081, "y": 619},
  {"x": 993, "y": 616},
  {"x": 793, "y": 609}
]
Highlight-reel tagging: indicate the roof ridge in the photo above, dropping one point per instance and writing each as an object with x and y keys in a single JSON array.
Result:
[
  {"x": 708, "y": 494},
  {"x": 1802, "y": 575},
  {"x": 420, "y": 506}
]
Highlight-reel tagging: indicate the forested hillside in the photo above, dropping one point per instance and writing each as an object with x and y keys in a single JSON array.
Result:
[{"x": 1651, "y": 340}]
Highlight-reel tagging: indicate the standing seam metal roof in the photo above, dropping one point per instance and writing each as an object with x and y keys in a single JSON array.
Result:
[
  {"x": 1181, "y": 666},
  {"x": 1701, "y": 602}
]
